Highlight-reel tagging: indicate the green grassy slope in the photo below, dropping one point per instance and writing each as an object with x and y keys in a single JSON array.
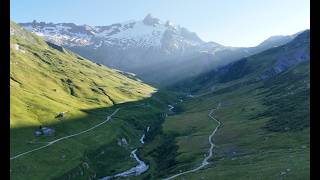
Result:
[
  {"x": 94, "y": 154},
  {"x": 258, "y": 140},
  {"x": 45, "y": 80},
  {"x": 265, "y": 130},
  {"x": 244, "y": 148}
]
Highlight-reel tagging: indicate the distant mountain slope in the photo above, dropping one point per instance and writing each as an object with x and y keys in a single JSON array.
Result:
[
  {"x": 254, "y": 68},
  {"x": 147, "y": 47},
  {"x": 264, "y": 110},
  {"x": 46, "y": 79},
  {"x": 265, "y": 130}
]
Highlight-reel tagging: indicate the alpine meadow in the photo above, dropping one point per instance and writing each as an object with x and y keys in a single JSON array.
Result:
[{"x": 146, "y": 98}]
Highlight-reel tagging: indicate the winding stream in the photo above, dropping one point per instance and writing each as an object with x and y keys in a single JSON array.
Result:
[
  {"x": 170, "y": 107},
  {"x": 142, "y": 139},
  {"x": 210, "y": 151},
  {"x": 134, "y": 171},
  {"x": 142, "y": 166}
]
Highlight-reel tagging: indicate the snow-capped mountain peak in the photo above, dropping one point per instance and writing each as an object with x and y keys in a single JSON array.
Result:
[
  {"x": 147, "y": 33},
  {"x": 146, "y": 47}
]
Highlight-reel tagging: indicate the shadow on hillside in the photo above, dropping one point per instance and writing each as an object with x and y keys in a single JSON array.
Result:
[
  {"x": 67, "y": 125},
  {"x": 131, "y": 120}
]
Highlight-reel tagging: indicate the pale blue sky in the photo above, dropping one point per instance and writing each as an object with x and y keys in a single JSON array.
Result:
[{"x": 229, "y": 22}]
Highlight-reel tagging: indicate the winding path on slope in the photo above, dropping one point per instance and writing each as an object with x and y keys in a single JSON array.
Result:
[
  {"x": 170, "y": 107},
  {"x": 66, "y": 137},
  {"x": 205, "y": 160}
]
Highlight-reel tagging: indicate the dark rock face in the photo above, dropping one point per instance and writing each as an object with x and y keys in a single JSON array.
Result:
[
  {"x": 293, "y": 53},
  {"x": 59, "y": 48},
  {"x": 234, "y": 71},
  {"x": 285, "y": 62},
  {"x": 149, "y": 20}
]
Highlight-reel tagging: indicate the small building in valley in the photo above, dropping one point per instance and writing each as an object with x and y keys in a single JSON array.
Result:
[{"x": 45, "y": 131}]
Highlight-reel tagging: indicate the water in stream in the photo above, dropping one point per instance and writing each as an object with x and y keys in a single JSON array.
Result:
[{"x": 135, "y": 171}]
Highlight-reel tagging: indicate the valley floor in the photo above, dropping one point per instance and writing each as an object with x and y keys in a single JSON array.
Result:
[
  {"x": 178, "y": 143},
  {"x": 243, "y": 149}
]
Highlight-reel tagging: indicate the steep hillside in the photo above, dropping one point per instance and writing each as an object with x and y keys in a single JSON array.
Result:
[
  {"x": 262, "y": 103},
  {"x": 55, "y": 88},
  {"x": 265, "y": 131},
  {"x": 46, "y": 79},
  {"x": 252, "y": 69}
]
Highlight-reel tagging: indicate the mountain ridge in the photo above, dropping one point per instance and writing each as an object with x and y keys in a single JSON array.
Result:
[{"x": 147, "y": 47}]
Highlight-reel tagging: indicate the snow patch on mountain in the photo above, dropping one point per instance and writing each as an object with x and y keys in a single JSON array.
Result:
[
  {"x": 147, "y": 33},
  {"x": 139, "y": 34}
]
